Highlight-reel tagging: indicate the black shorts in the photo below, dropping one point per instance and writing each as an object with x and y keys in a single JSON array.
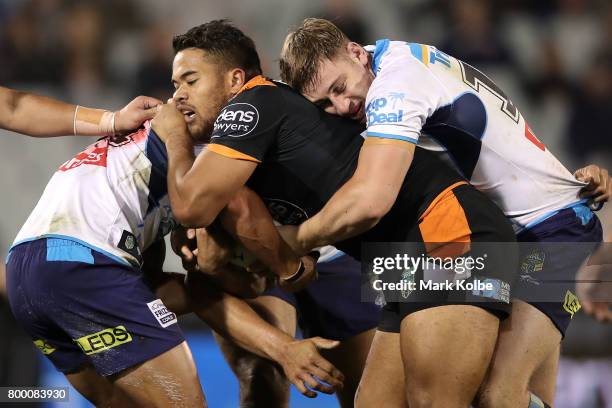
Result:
[
  {"x": 460, "y": 223},
  {"x": 557, "y": 248}
]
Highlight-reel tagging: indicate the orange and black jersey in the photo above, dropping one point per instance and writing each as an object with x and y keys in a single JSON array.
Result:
[{"x": 305, "y": 155}]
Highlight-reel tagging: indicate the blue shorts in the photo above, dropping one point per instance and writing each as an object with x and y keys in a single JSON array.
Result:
[
  {"x": 82, "y": 307},
  {"x": 548, "y": 267},
  {"x": 331, "y": 306}
]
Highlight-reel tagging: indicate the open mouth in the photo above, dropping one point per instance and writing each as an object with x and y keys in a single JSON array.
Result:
[{"x": 188, "y": 114}]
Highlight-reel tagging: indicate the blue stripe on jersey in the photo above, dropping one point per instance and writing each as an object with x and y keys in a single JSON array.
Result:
[
  {"x": 155, "y": 150},
  {"x": 389, "y": 136},
  {"x": 416, "y": 50},
  {"x": 69, "y": 238},
  {"x": 577, "y": 206},
  {"x": 381, "y": 47},
  {"x": 59, "y": 249},
  {"x": 459, "y": 127}
]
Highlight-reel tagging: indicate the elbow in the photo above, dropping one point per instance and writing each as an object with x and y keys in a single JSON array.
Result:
[{"x": 193, "y": 214}]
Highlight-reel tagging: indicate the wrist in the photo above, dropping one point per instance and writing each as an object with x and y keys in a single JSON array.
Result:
[
  {"x": 278, "y": 348},
  {"x": 299, "y": 271},
  {"x": 93, "y": 122},
  {"x": 305, "y": 239}
]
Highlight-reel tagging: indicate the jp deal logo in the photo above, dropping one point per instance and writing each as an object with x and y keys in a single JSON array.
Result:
[
  {"x": 376, "y": 117},
  {"x": 236, "y": 120}
]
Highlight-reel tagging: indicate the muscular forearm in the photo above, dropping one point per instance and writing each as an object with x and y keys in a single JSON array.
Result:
[
  {"x": 349, "y": 212},
  {"x": 40, "y": 116},
  {"x": 180, "y": 161},
  {"x": 239, "y": 282},
  {"x": 228, "y": 315},
  {"x": 35, "y": 115},
  {"x": 246, "y": 217},
  {"x": 363, "y": 200},
  {"x": 234, "y": 319}
]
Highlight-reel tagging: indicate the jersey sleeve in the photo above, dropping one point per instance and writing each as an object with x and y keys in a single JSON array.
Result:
[
  {"x": 401, "y": 98},
  {"x": 248, "y": 125}
]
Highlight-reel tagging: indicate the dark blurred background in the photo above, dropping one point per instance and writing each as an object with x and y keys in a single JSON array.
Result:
[{"x": 553, "y": 57}]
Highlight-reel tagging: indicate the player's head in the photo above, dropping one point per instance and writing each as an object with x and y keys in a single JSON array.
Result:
[
  {"x": 320, "y": 62},
  {"x": 211, "y": 64}
]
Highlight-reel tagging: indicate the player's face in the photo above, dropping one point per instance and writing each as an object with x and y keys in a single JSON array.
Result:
[
  {"x": 200, "y": 90},
  {"x": 343, "y": 82}
]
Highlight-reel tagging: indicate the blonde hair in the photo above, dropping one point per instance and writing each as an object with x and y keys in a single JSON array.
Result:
[{"x": 313, "y": 41}]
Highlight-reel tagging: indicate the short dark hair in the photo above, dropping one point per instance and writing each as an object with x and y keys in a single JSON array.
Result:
[{"x": 224, "y": 41}]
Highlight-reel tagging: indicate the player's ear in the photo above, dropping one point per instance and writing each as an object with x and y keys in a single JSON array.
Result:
[
  {"x": 236, "y": 78},
  {"x": 357, "y": 53}
]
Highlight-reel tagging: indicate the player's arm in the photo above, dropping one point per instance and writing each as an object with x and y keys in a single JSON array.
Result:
[
  {"x": 385, "y": 156},
  {"x": 363, "y": 200},
  {"x": 40, "y": 116},
  {"x": 198, "y": 188},
  {"x": 235, "y": 320},
  {"x": 247, "y": 219}
]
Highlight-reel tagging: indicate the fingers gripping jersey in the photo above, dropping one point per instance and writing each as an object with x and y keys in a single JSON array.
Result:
[
  {"x": 422, "y": 95},
  {"x": 112, "y": 197}
]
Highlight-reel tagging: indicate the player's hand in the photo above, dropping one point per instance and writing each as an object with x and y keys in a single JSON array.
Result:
[
  {"x": 135, "y": 113},
  {"x": 169, "y": 122},
  {"x": 184, "y": 244},
  {"x": 215, "y": 249},
  {"x": 300, "y": 282},
  {"x": 307, "y": 369},
  {"x": 599, "y": 186}
]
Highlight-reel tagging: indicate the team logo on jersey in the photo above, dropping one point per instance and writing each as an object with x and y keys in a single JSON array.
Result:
[
  {"x": 120, "y": 140},
  {"x": 571, "y": 304},
  {"x": 104, "y": 340},
  {"x": 93, "y": 155},
  {"x": 161, "y": 313},
  {"x": 236, "y": 120},
  {"x": 284, "y": 212},
  {"x": 533, "y": 262},
  {"x": 375, "y": 117}
]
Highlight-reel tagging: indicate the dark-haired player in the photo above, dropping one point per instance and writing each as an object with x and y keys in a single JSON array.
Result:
[{"x": 295, "y": 156}]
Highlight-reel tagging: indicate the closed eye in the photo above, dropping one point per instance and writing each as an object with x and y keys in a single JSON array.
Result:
[{"x": 323, "y": 104}]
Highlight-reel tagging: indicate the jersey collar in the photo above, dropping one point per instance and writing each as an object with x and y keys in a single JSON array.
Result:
[
  {"x": 259, "y": 80},
  {"x": 377, "y": 53}
]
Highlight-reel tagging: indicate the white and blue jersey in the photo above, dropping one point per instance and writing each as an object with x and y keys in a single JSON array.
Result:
[
  {"x": 112, "y": 197},
  {"x": 421, "y": 95}
]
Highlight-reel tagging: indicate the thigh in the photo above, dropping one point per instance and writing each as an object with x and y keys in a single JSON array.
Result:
[
  {"x": 383, "y": 375},
  {"x": 446, "y": 352},
  {"x": 528, "y": 340},
  {"x": 544, "y": 380},
  {"x": 167, "y": 380}
]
